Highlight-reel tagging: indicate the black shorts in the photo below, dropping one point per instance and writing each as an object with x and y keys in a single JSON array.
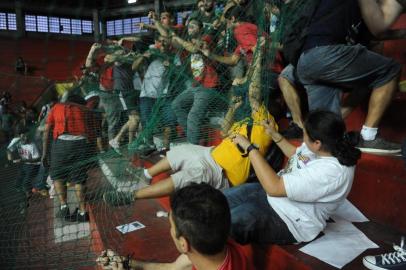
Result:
[{"x": 70, "y": 160}]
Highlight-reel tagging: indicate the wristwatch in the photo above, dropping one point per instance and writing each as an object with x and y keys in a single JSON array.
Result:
[{"x": 249, "y": 149}]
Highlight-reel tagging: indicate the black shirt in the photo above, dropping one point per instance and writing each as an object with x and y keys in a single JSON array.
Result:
[{"x": 335, "y": 22}]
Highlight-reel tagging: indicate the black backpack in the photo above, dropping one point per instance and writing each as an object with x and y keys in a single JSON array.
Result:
[{"x": 296, "y": 18}]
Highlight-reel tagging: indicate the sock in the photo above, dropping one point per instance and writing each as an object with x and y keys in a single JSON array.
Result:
[
  {"x": 147, "y": 175},
  {"x": 63, "y": 206},
  {"x": 368, "y": 133},
  {"x": 82, "y": 213}
]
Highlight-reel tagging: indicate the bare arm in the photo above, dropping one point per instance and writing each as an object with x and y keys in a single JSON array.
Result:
[
  {"x": 236, "y": 102},
  {"x": 287, "y": 148},
  {"x": 188, "y": 46},
  {"x": 379, "y": 15},
  {"x": 92, "y": 55},
  {"x": 138, "y": 62},
  {"x": 227, "y": 60},
  {"x": 9, "y": 155},
  {"x": 270, "y": 181},
  {"x": 45, "y": 142}
]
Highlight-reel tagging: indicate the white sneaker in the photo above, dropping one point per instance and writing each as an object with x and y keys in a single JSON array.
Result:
[{"x": 115, "y": 145}]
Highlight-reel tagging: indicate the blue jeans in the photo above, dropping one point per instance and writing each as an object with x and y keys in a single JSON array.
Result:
[
  {"x": 146, "y": 106},
  {"x": 40, "y": 182},
  {"x": 253, "y": 219},
  {"x": 326, "y": 70},
  {"x": 191, "y": 107},
  {"x": 28, "y": 172}
]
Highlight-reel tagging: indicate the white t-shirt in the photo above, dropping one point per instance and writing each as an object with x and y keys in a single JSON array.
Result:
[
  {"x": 154, "y": 83},
  {"x": 315, "y": 187},
  {"x": 25, "y": 151}
]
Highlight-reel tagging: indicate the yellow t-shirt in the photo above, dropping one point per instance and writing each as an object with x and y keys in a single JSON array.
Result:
[
  {"x": 61, "y": 88},
  {"x": 227, "y": 155}
]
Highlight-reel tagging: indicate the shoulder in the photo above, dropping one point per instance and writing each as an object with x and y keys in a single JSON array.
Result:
[{"x": 239, "y": 258}]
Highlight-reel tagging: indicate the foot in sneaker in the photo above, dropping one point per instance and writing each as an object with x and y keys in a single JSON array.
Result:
[
  {"x": 145, "y": 149},
  {"x": 394, "y": 260},
  {"x": 378, "y": 146},
  {"x": 293, "y": 131},
  {"x": 115, "y": 145},
  {"x": 118, "y": 198},
  {"x": 77, "y": 216}
]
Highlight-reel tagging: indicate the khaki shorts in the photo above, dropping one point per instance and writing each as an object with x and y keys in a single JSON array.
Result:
[{"x": 194, "y": 164}]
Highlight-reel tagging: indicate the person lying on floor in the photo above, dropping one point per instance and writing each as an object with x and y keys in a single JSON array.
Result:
[
  {"x": 221, "y": 167},
  {"x": 190, "y": 205},
  {"x": 294, "y": 204}
]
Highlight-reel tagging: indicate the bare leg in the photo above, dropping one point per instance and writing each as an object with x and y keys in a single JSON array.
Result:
[
  {"x": 160, "y": 189},
  {"x": 122, "y": 131},
  {"x": 133, "y": 122},
  {"x": 60, "y": 189},
  {"x": 292, "y": 100},
  {"x": 160, "y": 167},
  {"x": 166, "y": 139},
  {"x": 379, "y": 101},
  {"x": 345, "y": 111},
  {"x": 80, "y": 196}
]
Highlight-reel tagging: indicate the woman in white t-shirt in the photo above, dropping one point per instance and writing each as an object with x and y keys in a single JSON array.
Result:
[{"x": 294, "y": 204}]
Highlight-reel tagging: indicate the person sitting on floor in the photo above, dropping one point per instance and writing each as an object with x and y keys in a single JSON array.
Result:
[
  {"x": 204, "y": 245},
  {"x": 294, "y": 204}
]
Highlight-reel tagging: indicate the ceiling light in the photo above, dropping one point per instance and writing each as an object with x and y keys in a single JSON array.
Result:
[{"x": 131, "y": 1}]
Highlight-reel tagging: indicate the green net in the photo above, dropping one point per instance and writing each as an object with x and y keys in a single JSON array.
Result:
[{"x": 91, "y": 119}]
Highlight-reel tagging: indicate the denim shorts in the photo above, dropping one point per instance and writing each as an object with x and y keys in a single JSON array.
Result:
[{"x": 327, "y": 70}]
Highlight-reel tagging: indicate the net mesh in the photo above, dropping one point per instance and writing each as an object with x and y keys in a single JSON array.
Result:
[{"x": 69, "y": 133}]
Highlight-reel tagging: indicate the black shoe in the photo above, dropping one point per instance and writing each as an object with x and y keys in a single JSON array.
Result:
[
  {"x": 144, "y": 150},
  {"x": 63, "y": 213},
  {"x": 378, "y": 146},
  {"x": 118, "y": 198},
  {"x": 389, "y": 261},
  {"x": 293, "y": 131},
  {"x": 78, "y": 217}
]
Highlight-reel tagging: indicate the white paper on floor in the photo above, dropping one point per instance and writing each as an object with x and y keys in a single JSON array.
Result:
[
  {"x": 341, "y": 243},
  {"x": 130, "y": 227},
  {"x": 349, "y": 212}
]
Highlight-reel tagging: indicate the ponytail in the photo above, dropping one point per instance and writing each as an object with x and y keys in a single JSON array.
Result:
[
  {"x": 329, "y": 129},
  {"x": 345, "y": 150}
]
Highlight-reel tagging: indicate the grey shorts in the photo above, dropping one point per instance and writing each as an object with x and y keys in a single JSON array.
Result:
[
  {"x": 289, "y": 74},
  {"x": 326, "y": 70},
  {"x": 194, "y": 164}
]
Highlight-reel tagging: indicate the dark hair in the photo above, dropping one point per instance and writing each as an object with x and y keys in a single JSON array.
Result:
[
  {"x": 20, "y": 129},
  {"x": 201, "y": 215},
  {"x": 74, "y": 98},
  {"x": 196, "y": 21},
  {"x": 329, "y": 129},
  {"x": 237, "y": 12}
]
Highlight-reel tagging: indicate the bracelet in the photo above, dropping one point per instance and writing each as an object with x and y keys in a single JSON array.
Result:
[
  {"x": 249, "y": 149},
  {"x": 279, "y": 140}
]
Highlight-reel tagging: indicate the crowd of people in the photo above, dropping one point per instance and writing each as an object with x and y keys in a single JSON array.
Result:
[{"x": 231, "y": 58}]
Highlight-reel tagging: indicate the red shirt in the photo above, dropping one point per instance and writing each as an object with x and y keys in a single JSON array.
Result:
[
  {"x": 209, "y": 77},
  {"x": 75, "y": 117},
  {"x": 246, "y": 35},
  {"x": 235, "y": 258}
]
